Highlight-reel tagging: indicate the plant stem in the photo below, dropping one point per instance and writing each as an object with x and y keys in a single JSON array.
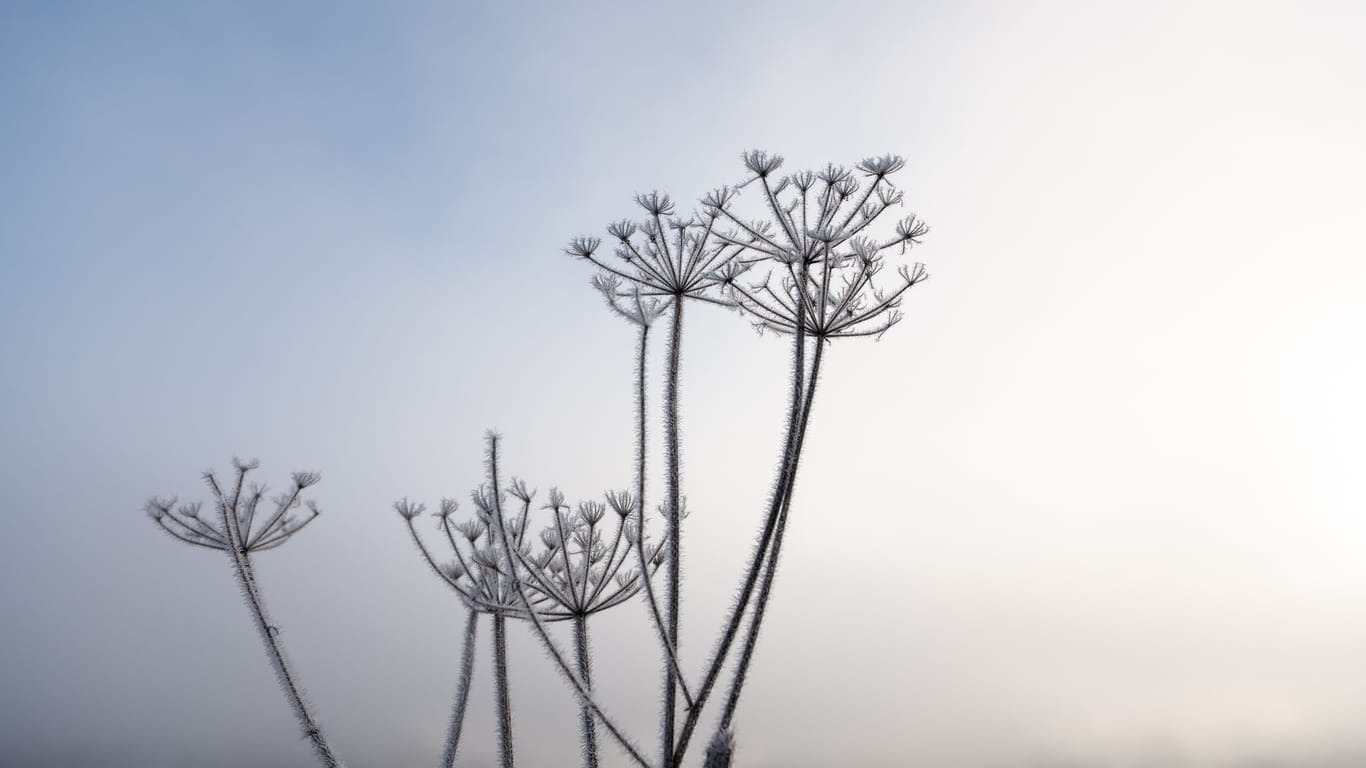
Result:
[
  {"x": 673, "y": 461},
  {"x": 580, "y": 690},
  {"x": 500, "y": 669},
  {"x": 246, "y": 578},
  {"x": 590, "y": 735},
  {"x": 770, "y": 570},
  {"x": 462, "y": 693},
  {"x": 275, "y": 651},
  {"x": 790, "y": 444},
  {"x": 656, "y": 618}
]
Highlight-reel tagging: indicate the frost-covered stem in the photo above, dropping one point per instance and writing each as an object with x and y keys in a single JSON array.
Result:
[
  {"x": 672, "y": 461},
  {"x": 651, "y": 601},
  {"x": 590, "y": 734},
  {"x": 500, "y": 671},
  {"x": 771, "y": 569},
  {"x": 242, "y": 568},
  {"x": 760, "y": 546},
  {"x": 581, "y": 690},
  {"x": 462, "y": 693}
]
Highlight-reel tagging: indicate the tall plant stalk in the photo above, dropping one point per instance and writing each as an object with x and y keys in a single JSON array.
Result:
[
  {"x": 462, "y": 691},
  {"x": 673, "y": 483},
  {"x": 238, "y": 534},
  {"x": 761, "y": 545},
  {"x": 775, "y": 549},
  {"x": 504, "y": 700}
]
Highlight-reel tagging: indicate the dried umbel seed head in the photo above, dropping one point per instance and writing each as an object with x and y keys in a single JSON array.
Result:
[
  {"x": 655, "y": 203},
  {"x": 622, "y": 502},
  {"x": 717, "y": 199},
  {"x": 551, "y": 538},
  {"x": 821, "y": 256},
  {"x": 582, "y": 247},
  {"x": 591, "y": 512},
  {"x": 518, "y": 489},
  {"x": 881, "y": 166},
  {"x": 158, "y": 506},
  {"x": 236, "y": 525},
  {"x": 761, "y": 163},
  {"x": 471, "y": 529},
  {"x": 408, "y": 509},
  {"x": 556, "y": 499},
  {"x": 448, "y": 508}
]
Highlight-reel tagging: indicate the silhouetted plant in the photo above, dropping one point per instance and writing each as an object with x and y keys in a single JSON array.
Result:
[
  {"x": 809, "y": 268},
  {"x": 238, "y": 532},
  {"x": 805, "y": 268}
]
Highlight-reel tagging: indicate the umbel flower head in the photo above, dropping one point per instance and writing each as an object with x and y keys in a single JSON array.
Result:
[
  {"x": 577, "y": 571},
  {"x": 629, "y": 303},
  {"x": 812, "y": 260},
  {"x": 661, "y": 255},
  {"x": 236, "y": 523},
  {"x": 573, "y": 574}
]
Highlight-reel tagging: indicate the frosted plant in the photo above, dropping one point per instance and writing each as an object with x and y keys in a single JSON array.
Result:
[
  {"x": 480, "y": 576},
  {"x": 807, "y": 267},
  {"x": 810, "y": 267},
  {"x": 817, "y": 271},
  {"x": 236, "y": 529}
]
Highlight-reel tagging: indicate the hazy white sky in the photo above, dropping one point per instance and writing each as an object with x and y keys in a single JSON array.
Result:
[{"x": 1095, "y": 503}]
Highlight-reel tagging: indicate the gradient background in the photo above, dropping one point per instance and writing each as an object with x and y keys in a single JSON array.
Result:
[{"x": 1098, "y": 501}]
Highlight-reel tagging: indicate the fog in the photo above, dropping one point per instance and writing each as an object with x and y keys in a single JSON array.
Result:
[{"x": 1095, "y": 502}]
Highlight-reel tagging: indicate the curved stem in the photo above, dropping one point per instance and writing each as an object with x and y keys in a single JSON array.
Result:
[
  {"x": 500, "y": 671},
  {"x": 761, "y": 545},
  {"x": 770, "y": 570},
  {"x": 246, "y": 578},
  {"x": 590, "y": 734},
  {"x": 462, "y": 692}
]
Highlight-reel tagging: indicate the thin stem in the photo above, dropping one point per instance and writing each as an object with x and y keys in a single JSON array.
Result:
[
  {"x": 462, "y": 692},
  {"x": 771, "y": 569},
  {"x": 500, "y": 671},
  {"x": 590, "y": 734},
  {"x": 672, "y": 461},
  {"x": 269, "y": 635},
  {"x": 656, "y": 618},
  {"x": 761, "y": 545}
]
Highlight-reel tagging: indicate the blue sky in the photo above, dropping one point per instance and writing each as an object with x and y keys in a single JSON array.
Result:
[{"x": 1115, "y": 442}]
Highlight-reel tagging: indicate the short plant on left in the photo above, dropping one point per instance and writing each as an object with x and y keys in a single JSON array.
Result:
[{"x": 235, "y": 528}]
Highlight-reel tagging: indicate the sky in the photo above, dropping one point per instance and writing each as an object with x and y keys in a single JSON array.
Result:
[{"x": 1095, "y": 502}]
